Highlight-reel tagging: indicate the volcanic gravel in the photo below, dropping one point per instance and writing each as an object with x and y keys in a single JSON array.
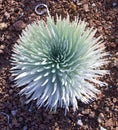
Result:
[{"x": 101, "y": 114}]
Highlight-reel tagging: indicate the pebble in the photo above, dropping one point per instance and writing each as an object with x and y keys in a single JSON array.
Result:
[
  {"x": 15, "y": 123},
  {"x": 19, "y": 25},
  {"x": 101, "y": 118},
  {"x": 2, "y": 47},
  {"x": 100, "y": 29},
  {"x": 50, "y": 117},
  {"x": 112, "y": 44},
  {"x": 102, "y": 128},
  {"x": 25, "y": 128},
  {"x": 114, "y": 100},
  {"x": 57, "y": 128},
  {"x": 3, "y": 26},
  {"x": 7, "y": 15},
  {"x": 110, "y": 86},
  {"x": 93, "y": 4},
  {"x": 116, "y": 41},
  {"x": 56, "y": 124},
  {"x": 22, "y": 101},
  {"x": 20, "y": 119},
  {"x": 114, "y": 4},
  {"x": 86, "y": 8},
  {"x": 107, "y": 109},
  {"x": 51, "y": 112},
  {"x": 11, "y": 79},
  {"x": 75, "y": 0},
  {"x": 86, "y": 111},
  {"x": 42, "y": 126},
  {"x": 10, "y": 91},
  {"x": 116, "y": 54},
  {"x": 1, "y": 51},
  {"x": 14, "y": 112},
  {"x": 79, "y": 122},
  {"x": 116, "y": 62},
  {"x": 109, "y": 123},
  {"x": 92, "y": 114},
  {"x": 31, "y": 108},
  {"x": 72, "y": 6}
]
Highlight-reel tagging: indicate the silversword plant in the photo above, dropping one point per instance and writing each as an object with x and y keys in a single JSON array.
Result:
[{"x": 58, "y": 63}]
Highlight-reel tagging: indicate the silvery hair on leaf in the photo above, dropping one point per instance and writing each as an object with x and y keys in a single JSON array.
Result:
[{"x": 59, "y": 63}]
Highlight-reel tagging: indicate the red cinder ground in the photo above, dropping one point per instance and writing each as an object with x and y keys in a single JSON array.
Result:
[{"x": 15, "y": 15}]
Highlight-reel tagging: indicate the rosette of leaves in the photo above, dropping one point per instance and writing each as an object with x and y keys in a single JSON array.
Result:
[{"x": 58, "y": 63}]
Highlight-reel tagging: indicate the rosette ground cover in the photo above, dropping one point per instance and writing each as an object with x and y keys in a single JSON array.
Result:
[{"x": 58, "y": 63}]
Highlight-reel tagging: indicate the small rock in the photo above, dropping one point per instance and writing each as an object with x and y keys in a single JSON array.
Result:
[
  {"x": 13, "y": 112},
  {"x": 1, "y": 51},
  {"x": 19, "y": 25},
  {"x": 56, "y": 124},
  {"x": 42, "y": 126},
  {"x": 8, "y": 37},
  {"x": 15, "y": 123},
  {"x": 112, "y": 44},
  {"x": 86, "y": 111},
  {"x": 51, "y": 112},
  {"x": 25, "y": 127},
  {"x": 10, "y": 91},
  {"x": 114, "y": 4},
  {"x": 116, "y": 62},
  {"x": 101, "y": 128},
  {"x": 114, "y": 100},
  {"x": 116, "y": 41},
  {"x": 100, "y": 28},
  {"x": 109, "y": 123},
  {"x": 79, "y": 122},
  {"x": 86, "y": 8},
  {"x": 95, "y": 106},
  {"x": 107, "y": 109},
  {"x": 33, "y": 15},
  {"x": 50, "y": 117},
  {"x": 92, "y": 114},
  {"x": 20, "y": 119},
  {"x": 57, "y": 128},
  {"x": 2, "y": 47},
  {"x": 116, "y": 54},
  {"x": 75, "y": 0},
  {"x": 93, "y": 4},
  {"x": 72, "y": 6},
  {"x": 22, "y": 101},
  {"x": 3, "y": 26},
  {"x": 101, "y": 118},
  {"x": 111, "y": 86},
  {"x": 116, "y": 127},
  {"x": 7, "y": 15},
  {"x": 31, "y": 108},
  {"x": 11, "y": 79}
]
